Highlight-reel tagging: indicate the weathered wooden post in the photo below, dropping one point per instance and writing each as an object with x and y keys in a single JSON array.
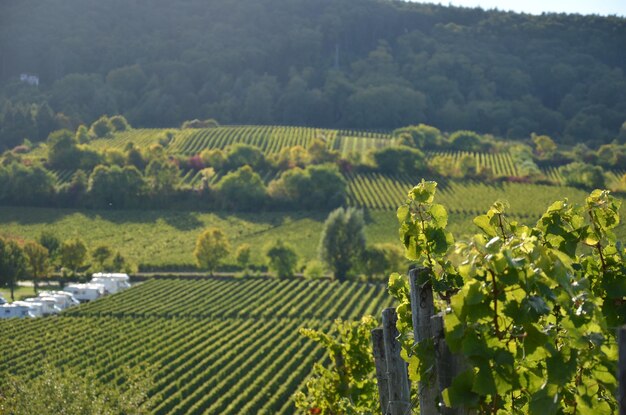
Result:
[
  {"x": 397, "y": 374},
  {"x": 378, "y": 345},
  {"x": 621, "y": 370},
  {"x": 422, "y": 309}
]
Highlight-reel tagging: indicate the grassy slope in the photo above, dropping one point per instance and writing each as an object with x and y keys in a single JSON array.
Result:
[
  {"x": 167, "y": 237},
  {"x": 161, "y": 238}
]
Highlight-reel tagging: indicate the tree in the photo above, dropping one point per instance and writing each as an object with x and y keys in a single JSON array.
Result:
[
  {"x": 380, "y": 260},
  {"x": 82, "y": 135},
  {"x": 342, "y": 242},
  {"x": 399, "y": 160},
  {"x": 242, "y": 256},
  {"x": 161, "y": 177},
  {"x": 545, "y": 147},
  {"x": 315, "y": 187},
  {"x": 12, "y": 264},
  {"x": 119, "y": 123},
  {"x": 50, "y": 241},
  {"x": 62, "y": 149},
  {"x": 242, "y": 189},
  {"x": 100, "y": 255},
  {"x": 102, "y": 127},
  {"x": 583, "y": 175},
  {"x": 239, "y": 155},
  {"x": 212, "y": 247},
  {"x": 73, "y": 254},
  {"x": 38, "y": 259},
  {"x": 282, "y": 259}
]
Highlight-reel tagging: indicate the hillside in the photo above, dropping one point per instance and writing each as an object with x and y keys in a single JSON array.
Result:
[
  {"x": 364, "y": 64},
  {"x": 211, "y": 346}
]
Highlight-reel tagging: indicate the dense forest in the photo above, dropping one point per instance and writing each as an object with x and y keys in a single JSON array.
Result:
[{"x": 366, "y": 64}]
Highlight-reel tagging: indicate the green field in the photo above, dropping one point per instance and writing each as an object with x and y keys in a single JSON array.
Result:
[
  {"x": 213, "y": 346},
  {"x": 165, "y": 238}
]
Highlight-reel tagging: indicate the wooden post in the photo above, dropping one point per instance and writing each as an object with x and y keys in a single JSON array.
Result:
[
  {"x": 448, "y": 365},
  {"x": 378, "y": 344},
  {"x": 397, "y": 374},
  {"x": 621, "y": 370},
  {"x": 422, "y": 309}
]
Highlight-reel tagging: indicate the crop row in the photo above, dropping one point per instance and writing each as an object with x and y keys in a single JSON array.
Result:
[
  {"x": 141, "y": 137},
  {"x": 377, "y": 191},
  {"x": 252, "y": 298},
  {"x": 226, "y": 366},
  {"x": 268, "y": 139},
  {"x": 501, "y": 164},
  {"x": 216, "y": 345}
]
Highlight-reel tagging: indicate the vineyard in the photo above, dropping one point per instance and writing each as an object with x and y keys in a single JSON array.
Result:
[
  {"x": 378, "y": 191},
  {"x": 213, "y": 346}
]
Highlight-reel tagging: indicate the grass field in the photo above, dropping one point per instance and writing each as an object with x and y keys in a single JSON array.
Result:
[
  {"x": 166, "y": 238},
  {"x": 161, "y": 238},
  {"x": 212, "y": 346}
]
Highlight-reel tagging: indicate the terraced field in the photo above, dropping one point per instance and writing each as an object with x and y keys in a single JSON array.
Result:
[{"x": 213, "y": 346}]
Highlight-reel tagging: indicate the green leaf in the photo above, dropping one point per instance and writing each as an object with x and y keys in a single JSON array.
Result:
[
  {"x": 534, "y": 340},
  {"x": 439, "y": 215},
  {"x": 545, "y": 401},
  {"x": 484, "y": 383},
  {"x": 483, "y": 222},
  {"x": 561, "y": 369},
  {"x": 423, "y": 192},
  {"x": 403, "y": 213},
  {"x": 460, "y": 392}
]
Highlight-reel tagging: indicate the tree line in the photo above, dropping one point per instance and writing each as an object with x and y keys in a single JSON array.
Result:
[
  {"x": 363, "y": 64},
  {"x": 241, "y": 177}
]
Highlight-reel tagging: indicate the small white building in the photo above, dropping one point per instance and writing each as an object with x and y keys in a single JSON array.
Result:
[
  {"x": 29, "y": 79},
  {"x": 15, "y": 311},
  {"x": 113, "y": 283}
]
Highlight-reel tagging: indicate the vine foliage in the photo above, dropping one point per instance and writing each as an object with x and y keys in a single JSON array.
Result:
[
  {"x": 348, "y": 385},
  {"x": 532, "y": 310}
]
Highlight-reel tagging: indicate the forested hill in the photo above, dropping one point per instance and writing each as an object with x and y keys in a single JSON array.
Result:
[{"x": 366, "y": 64}]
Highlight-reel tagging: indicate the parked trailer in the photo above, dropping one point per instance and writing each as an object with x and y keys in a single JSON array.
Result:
[
  {"x": 63, "y": 299},
  {"x": 86, "y": 292},
  {"x": 113, "y": 283},
  {"x": 2, "y": 300},
  {"x": 15, "y": 311},
  {"x": 48, "y": 305},
  {"x": 36, "y": 309}
]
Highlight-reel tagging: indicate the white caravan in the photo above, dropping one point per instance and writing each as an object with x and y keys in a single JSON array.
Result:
[
  {"x": 113, "y": 283},
  {"x": 86, "y": 292},
  {"x": 63, "y": 299},
  {"x": 15, "y": 311},
  {"x": 36, "y": 309},
  {"x": 48, "y": 305}
]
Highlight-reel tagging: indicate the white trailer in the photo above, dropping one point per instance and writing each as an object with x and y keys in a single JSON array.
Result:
[
  {"x": 2, "y": 300},
  {"x": 62, "y": 299},
  {"x": 86, "y": 292},
  {"x": 113, "y": 283},
  {"x": 15, "y": 311},
  {"x": 48, "y": 305},
  {"x": 36, "y": 309}
]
